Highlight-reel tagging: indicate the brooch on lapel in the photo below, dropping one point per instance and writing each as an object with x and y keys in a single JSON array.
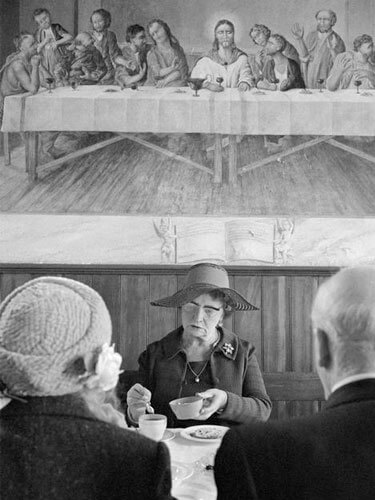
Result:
[{"x": 228, "y": 348}]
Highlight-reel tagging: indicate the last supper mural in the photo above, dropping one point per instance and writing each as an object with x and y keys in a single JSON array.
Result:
[{"x": 167, "y": 132}]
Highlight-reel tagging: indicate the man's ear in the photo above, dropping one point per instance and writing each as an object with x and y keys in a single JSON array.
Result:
[{"x": 324, "y": 351}]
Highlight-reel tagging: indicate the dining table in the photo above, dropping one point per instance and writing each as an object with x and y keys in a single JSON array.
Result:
[
  {"x": 192, "y": 466},
  {"x": 227, "y": 116}
]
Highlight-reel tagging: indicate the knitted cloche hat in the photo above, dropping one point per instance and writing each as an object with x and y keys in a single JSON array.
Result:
[
  {"x": 205, "y": 278},
  {"x": 47, "y": 326}
]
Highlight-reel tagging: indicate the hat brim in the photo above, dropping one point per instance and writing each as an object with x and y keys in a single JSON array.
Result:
[{"x": 185, "y": 295}]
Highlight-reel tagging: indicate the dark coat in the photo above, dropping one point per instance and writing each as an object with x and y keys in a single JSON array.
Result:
[
  {"x": 52, "y": 448},
  {"x": 327, "y": 456},
  {"x": 163, "y": 370},
  {"x": 294, "y": 78}
]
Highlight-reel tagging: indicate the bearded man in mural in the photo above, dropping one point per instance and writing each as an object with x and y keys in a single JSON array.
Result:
[
  {"x": 318, "y": 52},
  {"x": 354, "y": 66},
  {"x": 225, "y": 65}
]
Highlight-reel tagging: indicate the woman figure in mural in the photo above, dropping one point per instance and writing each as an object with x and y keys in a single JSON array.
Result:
[
  {"x": 52, "y": 40},
  {"x": 106, "y": 42},
  {"x": 225, "y": 65},
  {"x": 166, "y": 60},
  {"x": 202, "y": 357}
]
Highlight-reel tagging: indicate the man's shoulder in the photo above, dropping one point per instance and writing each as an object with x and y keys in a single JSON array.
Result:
[{"x": 18, "y": 64}]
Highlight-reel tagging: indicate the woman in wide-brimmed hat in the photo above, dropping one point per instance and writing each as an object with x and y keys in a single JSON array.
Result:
[
  {"x": 202, "y": 357},
  {"x": 59, "y": 435}
]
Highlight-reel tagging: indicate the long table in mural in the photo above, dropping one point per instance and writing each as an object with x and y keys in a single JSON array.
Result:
[{"x": 176, "y": 110}]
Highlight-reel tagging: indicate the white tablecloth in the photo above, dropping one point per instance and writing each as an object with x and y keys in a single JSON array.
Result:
[
  {"x": 172, "y": 110},
  {"x": 201, "y": 485}
]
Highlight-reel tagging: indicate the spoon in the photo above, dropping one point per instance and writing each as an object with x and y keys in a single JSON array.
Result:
[{"x": 149, "y": 408}]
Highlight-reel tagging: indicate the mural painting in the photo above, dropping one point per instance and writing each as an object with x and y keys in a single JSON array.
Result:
[{"x": 229, "y": 137}]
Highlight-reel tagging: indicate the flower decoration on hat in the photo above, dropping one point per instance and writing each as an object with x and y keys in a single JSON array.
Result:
[{"x": 106, "y": 372}]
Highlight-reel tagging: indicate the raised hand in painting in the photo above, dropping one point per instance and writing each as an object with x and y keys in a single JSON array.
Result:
[
  {"x": 297, "y": 31},
  {"x": 138, "y": 400},
  {"x": 214, "y": 400}
]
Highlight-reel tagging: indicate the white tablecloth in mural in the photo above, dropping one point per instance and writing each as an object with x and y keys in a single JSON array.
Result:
[{"x": 172, "y": 110}]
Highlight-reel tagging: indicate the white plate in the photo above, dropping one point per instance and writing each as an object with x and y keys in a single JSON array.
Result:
[
  {"x": 189, "y": 431},
  {"x": 180, "y": 471}
]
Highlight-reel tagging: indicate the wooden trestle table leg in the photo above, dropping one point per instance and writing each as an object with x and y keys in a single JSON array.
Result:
[
  {"x": 6, "y": 148},
  {"x": 218, "y": 160},
  {"x": 232, "y": 160},
  {"x": 32, "y": 155}
]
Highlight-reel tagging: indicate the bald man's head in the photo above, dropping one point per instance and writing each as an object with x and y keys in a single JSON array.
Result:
[{"x": 344, "y": 308}]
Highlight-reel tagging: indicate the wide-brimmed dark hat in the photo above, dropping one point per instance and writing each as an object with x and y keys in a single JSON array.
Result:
[{"x": 205, "y": 278}]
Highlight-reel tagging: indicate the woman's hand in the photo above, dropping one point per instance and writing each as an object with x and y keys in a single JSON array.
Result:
[
  {"x": 214, "y": 400},
  {"x": 137, "y": 399}
]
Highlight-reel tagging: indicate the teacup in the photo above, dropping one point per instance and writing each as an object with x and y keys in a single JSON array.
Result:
[
  {"x": 152, "y": 425},
  {"x": 185, "y": 408}
]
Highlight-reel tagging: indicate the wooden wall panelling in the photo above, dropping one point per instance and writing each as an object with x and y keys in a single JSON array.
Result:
[
  {"x": 229, "y": 320},
  {"x": 303, "y": 290},
  {"x": 162, "y": 320},
  {"x": 133, "y": 318},
  {"x": 248, "y": 325},
  {"x": 109, "y": 287},
  {"x": 180, "y": 283},
  {"x": 274, "y": 332},
  {"x": 86, "y": 279},
  {"x": 8, "y": 282}
]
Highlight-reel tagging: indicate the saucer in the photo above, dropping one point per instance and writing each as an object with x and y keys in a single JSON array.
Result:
[{"x": 168, "y": 435}]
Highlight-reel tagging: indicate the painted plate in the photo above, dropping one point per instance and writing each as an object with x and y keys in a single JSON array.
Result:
[{"x": 204, "y": 433}]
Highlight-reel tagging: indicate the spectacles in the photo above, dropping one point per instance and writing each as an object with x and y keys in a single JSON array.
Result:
[{"x": 208, "y": 311}]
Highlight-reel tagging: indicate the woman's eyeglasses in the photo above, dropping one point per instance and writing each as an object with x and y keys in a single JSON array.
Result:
[{"x": 209, "y": 311}]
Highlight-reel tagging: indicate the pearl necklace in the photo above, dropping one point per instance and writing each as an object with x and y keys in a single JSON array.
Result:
[{"x": 197, "y": 375}]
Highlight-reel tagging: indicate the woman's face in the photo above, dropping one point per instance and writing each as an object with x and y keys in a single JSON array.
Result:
[
  {"x": 158, "y": 33},
  {"x": 224, "y": 35},
  {"x": 201, "y": 316},
  {"x": 98, "y": 22}
]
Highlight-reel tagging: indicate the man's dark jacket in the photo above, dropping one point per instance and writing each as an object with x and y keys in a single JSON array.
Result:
[{"x": 328, "y": 456}]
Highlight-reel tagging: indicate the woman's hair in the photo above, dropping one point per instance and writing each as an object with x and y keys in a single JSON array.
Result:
[
  {"x": 281, "y": 42},
  {"x": 260, "y": 28},
  {"x": 132, "y": 31},
  {"x": 360, "y": 40},
  {"x": 106, "y": 15},
  {"x": 217, "y": 295},
  {"x": 41, "y": 10},
  {"x": 220, "y": 23},
  {"x": 172, "y": 39},
  {"x": 95, "y": 399}
]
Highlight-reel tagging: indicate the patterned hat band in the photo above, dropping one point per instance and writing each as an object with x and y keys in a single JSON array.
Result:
[{"x": 206, "y": 278}]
